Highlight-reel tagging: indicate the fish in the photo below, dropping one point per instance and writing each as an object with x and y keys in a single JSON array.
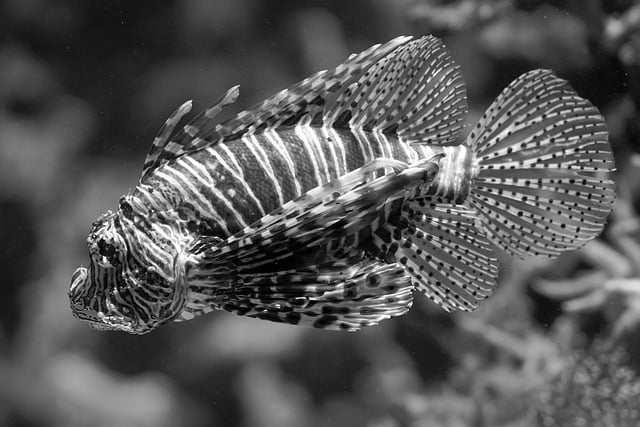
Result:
[{"x": 332, "y": 202}]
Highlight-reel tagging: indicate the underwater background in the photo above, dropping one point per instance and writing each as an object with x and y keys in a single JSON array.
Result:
[{"x": 84, "y": 86}]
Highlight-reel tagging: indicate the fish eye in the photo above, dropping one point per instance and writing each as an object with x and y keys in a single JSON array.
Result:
[
  {"x": 105, "y": 249},
  {"x": 104, "y": 241}
]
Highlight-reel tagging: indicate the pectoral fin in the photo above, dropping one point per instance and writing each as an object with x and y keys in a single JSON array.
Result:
[
  {"x": 333, "y": 296},
  {"x": 339, "y": 208}
]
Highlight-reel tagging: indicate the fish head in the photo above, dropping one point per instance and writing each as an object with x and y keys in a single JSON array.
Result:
[{"x": 119, "y": 292}]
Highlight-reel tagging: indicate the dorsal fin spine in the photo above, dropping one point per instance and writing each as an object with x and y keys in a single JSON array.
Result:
[
  {"x": 162, "y": 138},
  {"x": 360, "y": 93}
]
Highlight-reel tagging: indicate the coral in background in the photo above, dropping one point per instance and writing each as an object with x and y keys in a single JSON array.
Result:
[{"x": 596, "y": 389}]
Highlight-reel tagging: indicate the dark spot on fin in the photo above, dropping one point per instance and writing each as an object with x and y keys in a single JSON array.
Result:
[
  {"x": 317, "y": 120},
  {"x": 343, "y": 119},
  {"x": 293, "y": 119},
  {"x": 318, "y": 100},
  {"x": 392, "y": 129}
]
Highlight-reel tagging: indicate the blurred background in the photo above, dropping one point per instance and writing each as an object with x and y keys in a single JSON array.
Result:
[{"x": 84, "y": 86}]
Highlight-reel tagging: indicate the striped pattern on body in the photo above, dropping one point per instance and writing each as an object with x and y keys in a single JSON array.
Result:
[{"x": 232, "y": 184}]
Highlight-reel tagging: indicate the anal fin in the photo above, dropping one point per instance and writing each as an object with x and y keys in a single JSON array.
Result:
[{"x": 448, "y": 257}]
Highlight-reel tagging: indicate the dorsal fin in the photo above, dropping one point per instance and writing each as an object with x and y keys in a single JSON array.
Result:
[
  {"x": 164, "y": 148},
  {"x": 309, "y": 97},
  {"x": 416, "y": 91},
  {"x": 286, "y": 106},
  {"x": 407, "y": 87}
]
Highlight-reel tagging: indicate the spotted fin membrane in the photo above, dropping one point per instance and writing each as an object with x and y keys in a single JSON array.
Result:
[
  {"x": 441, "y": 248},
  {"x": 544, "y": 184},
  {"x": 334, "y": 297}
]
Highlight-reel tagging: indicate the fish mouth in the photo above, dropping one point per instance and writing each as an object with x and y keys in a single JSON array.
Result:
[
  {"x": 115, "y": 322},
  {"x": 109, "y": 318}
]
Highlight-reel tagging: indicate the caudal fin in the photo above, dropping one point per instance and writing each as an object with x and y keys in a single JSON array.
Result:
[{"x": 545, "y": 183}]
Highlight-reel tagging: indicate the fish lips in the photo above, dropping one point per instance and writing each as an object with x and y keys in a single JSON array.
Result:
[{"x": 110, "y": 320}]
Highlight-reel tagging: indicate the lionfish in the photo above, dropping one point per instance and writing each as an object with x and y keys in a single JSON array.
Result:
[{"x": 330, "y": 202}]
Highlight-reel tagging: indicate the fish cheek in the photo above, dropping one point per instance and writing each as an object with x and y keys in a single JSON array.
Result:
[{"x": 128, "y": 283}]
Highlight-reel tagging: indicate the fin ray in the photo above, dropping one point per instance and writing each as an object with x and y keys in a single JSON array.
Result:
[
  {"x": 162, "y": 138},
  {"x": 417, "y": 91},
  {"x": 544, "y": 183},
  {"x": 449, "y": 259},
  {"x": 190, "y": 137}
]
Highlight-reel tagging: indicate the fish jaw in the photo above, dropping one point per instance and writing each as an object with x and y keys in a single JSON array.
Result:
[
  {"x": 109, "y": 315},
  {"x": 108, "y": 319}
]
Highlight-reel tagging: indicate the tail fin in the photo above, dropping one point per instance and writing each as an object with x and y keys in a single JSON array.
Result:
[{"x": 544, "y": 184}]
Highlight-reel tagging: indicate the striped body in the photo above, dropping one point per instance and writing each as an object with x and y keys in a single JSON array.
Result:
[
  {"x": 232, "y": 184},
  {"x": 227, "y": 187}
]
